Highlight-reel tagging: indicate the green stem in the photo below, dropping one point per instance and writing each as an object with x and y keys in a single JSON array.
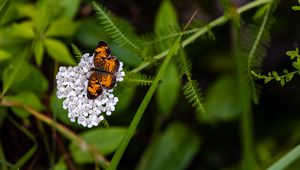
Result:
[
  {"x": 247, "y": 139},
  {"x": 246, "y": 133},
  {"x": 203, "y": 30},
  {"x": 246, "y": 122},
  {"x": 131, "y": 130}
]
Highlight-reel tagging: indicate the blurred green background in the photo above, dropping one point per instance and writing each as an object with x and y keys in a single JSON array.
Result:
[{"x": 36, "y": 38}]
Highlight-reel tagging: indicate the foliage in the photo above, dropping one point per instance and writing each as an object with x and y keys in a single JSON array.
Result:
[
  {"x": 287, "y": 76},
  {"x": 104, "y": 139},
  {"x": 204, "y": 93},
  {"x": 191, "y": 88},
  {"x": 113, "y": 30},
  {"x": 171, "y": 142},
  {"x": 296, "y": 7},
  {"x": 38, "y": 30}
]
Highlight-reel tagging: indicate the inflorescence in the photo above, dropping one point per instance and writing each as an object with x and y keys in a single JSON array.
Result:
[{"x": 72, "y": 86}]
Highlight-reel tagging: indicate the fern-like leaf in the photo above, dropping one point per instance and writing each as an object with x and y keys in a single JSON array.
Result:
[
  {"x": 192, "y": 93},
  {"x": 120, "y": 37},
  {"x": 159, "y": 41},
  {"x": 191, "y": 89},
  {"x": 254, "y": 49},
  {"x": 138, "y": 79},
  {"x": 184, "y": 65},
  {"x": 260, "y": 41},
  {"x": 134, "y": 79},
  {"x": 77, "y": 52}
]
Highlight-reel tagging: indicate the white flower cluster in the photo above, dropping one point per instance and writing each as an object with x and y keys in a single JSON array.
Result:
[{"x": 72, "y": 85}]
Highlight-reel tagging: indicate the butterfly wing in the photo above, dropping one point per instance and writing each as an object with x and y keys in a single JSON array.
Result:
[
  {"x": 94, "y": 88},
  {"x": 111, "y": 64},
  {"x": 102, "y": 52},
  {"x": 98, "y": 80},
  {"x": 107, "y": 80},
  {"x": 104, "y": 72}
]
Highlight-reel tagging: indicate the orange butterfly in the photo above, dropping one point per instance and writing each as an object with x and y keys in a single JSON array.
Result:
[{"x": 104, "y": 72}]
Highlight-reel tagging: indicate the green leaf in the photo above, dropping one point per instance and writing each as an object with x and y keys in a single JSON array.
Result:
[
  {"x": 296, "y": 64},
  {"x": 11, "y": 43},
  {"x": 17, "y": 11},
  {"x": 293, "y": 53},
  {"x": 289, "y": 77},
  {"x": 192, "y": 93},
  {"x": 165, "y": 25},
  {"x": 222, "y": 100},
  {"x": 126, "y": 56},
  {"x": 43, "y": 14},
  {"x": 23, "y": 30},
  {"x": 191, "y": 89},
  {"x": 76, "y": 51},
  {"x": 296, "y": 8},
  {"x": 89, "y": 33},
  {"x": 255, "y": 50},
  {"x": 105, "y": 141},
  {"x": 4, "y": 55},
  {"x": 62, "y": 27},
  {"x": 125, "y": 99},
  {"x": 260, "y": 12},
  {"x": 60, "y": 165},
  {"x": 168, "y": 90},
  {"x": 282, "y": 82},
  {"x": 173, "y": 150},
  {"x": 69, "y": 8},
  {"x": 39, "y": 52},
  {"x": 14, "y": 73},
  {"x": 166, "y": 16},
  {"x": 36, "y": 82},
  {"x": 3, "y": 8},
  {"x": 59, "y": 52},
  {"x": 25, "y": 98},
  {"x": 26, "y": 10}
]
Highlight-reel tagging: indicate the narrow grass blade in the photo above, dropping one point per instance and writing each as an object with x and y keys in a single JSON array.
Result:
[
  {"x": 131, "y": 130},
  {"x": 31, "y": 151},
  {"x": 3, "y": 163},
  {"x": 287, "y": 159}
]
